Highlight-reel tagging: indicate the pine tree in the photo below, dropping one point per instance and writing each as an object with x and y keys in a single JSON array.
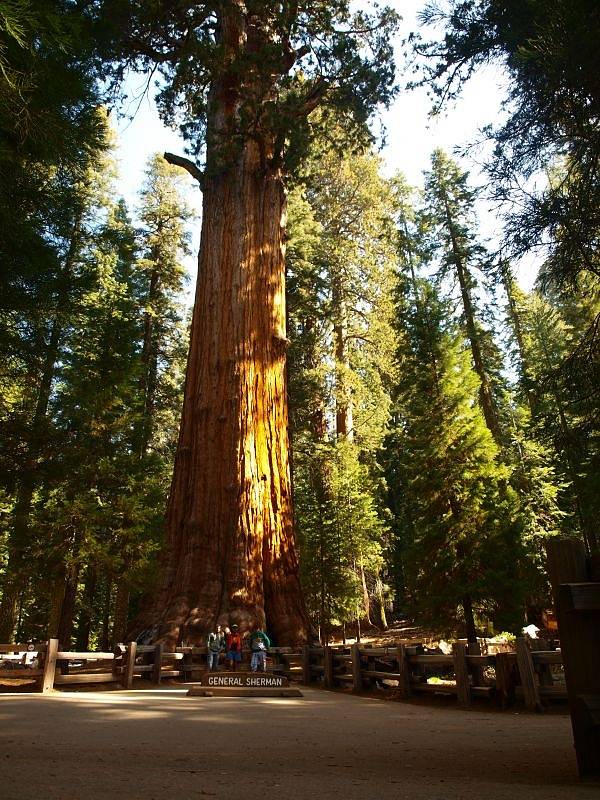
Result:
[{"x": 464, "y": 542}]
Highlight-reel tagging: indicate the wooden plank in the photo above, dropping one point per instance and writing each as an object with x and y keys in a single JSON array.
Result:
[
  {"x": 482, "y": 691},
  {"x": 157, "y": 665},
  {"x": 22, "y": 648},
  {"x": 47, "y": 682},
  {"x": 70, "y": 656},
  {"x": 130, "y": 655},
  {"x": 480, "y": 661},
  {"x": 434, "y": 688},
  {"x": 461, "y": 671},
  {"x": 547, "y": 657},
  {"x": 306, "y": 665},
  {"x": 370, "y": 674},
  {"x": 95, "y": 677},
  {"x": 357, "y": 683},
  {"x": 581, "y": 597},
  {"x": 528, "y": 677},
  {"x": 23, "y": 672},
  {"x": 431, "y": 659},
  {"x": 378, "y": 651}
]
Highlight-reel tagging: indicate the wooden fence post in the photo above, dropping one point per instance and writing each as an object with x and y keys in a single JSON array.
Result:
[
  {"x": 576, "y": 587},
  {"x": 328, "y": 667},
  {"x": 505, "y": 680},
  {"x": 403, "y": 671},
  {"x": 357, "y": 683},
  {"x": 306, "y": 665},
  {"x": 461, "y": 671},
  {"x": 186, "y": 665},
  {"x": 157, "y": 664},
  {"x": 49, "y": 666},
  {"x": 528, "y": 680},
  {"x": 129, "y": 665}
]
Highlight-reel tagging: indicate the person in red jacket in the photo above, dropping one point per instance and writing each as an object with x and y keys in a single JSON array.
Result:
[{"x": 234, "y": 647}]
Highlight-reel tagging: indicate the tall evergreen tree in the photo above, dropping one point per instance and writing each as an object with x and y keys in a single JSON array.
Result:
[
  {"x": 463, "y": 548},
  {"x": 247, "y": 78}
]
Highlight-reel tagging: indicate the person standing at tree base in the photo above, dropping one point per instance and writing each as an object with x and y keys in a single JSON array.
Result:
[
  {"x": 234, "y": 647},
  {"x": 259, "y": 643},
  {"x": 215, "y": 645}
]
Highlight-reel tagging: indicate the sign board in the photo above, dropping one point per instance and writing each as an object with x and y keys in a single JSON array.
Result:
[{"x": 248, "y": 680}]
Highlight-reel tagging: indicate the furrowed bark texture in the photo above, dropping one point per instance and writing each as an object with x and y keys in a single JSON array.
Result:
[{"x": 230, "y": 554}]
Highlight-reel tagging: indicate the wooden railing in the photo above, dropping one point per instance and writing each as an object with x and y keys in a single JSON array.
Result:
[{"x": 526, "y": 673}]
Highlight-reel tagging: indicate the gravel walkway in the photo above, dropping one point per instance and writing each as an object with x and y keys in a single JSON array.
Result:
[{"x": 158, "y": 744}]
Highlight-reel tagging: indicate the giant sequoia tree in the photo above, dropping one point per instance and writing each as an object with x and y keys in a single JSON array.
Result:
[{"x": 242, "y": 78}]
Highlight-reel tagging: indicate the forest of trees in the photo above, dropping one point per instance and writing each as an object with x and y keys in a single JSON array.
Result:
[{"x": 378, "y": 421}]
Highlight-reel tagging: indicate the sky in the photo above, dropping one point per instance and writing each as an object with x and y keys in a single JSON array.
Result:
[{"x": 411, "y": 135}]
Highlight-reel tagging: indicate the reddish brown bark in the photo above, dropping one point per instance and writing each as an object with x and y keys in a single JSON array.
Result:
[{"x": 230, "y": 554}]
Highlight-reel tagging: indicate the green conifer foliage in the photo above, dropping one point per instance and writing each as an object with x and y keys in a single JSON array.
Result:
[{"x": 463, "y": 541}]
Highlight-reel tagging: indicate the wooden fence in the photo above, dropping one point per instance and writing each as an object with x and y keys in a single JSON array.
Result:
[{"x": 408, "y": 670}]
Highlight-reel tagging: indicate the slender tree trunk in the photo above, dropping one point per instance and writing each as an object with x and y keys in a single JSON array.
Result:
[
  {"x": 230, "y": 554},
  {"x": 344, "y": 408},
  {"x": 121, "y": 611},
  {"x": 87, "y": 609},
  {"x": 67, "y": 613},
  {"x": 486, "y": 397},
  {"x": 515, "y": 322},
  {"x": 106, "y": 602},
  {"x": 56, "y": 602},
  {"x": 469, "y": 620}
]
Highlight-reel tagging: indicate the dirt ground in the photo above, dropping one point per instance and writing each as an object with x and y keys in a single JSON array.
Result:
[{"x": 159, "y": 743}]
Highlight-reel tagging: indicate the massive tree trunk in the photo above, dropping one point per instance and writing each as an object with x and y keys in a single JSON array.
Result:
[{"x": 230, "y": 554}]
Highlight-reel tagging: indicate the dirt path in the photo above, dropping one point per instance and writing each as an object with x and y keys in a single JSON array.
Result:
[{"x": 158, "y": 744}]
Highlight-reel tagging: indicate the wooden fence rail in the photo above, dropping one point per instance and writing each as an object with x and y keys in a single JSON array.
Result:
[{"x": 526, "y": 673}]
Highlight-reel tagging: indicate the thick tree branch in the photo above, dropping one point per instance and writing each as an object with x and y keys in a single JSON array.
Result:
[{"x": 185, "y": 163}]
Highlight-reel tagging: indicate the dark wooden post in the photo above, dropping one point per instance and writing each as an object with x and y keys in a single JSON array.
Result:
[
  {"x": 49, "y": 666},
  {"x": 129, "y": 665},
  {"x": 531, "y": 692},
  {"x": 306, "y": 676},
  {"x": 186, "y": 665},
  {"x": 157, "y": 664},
  {"x": 357, "y": 683},
  {"x": 577, "y": 602},
  {"x": 505, "y": 678},
  {"x": 461, "y": 671},
  {"x": 403, "y": 671},
  {"x": 328, "y": 665}
]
